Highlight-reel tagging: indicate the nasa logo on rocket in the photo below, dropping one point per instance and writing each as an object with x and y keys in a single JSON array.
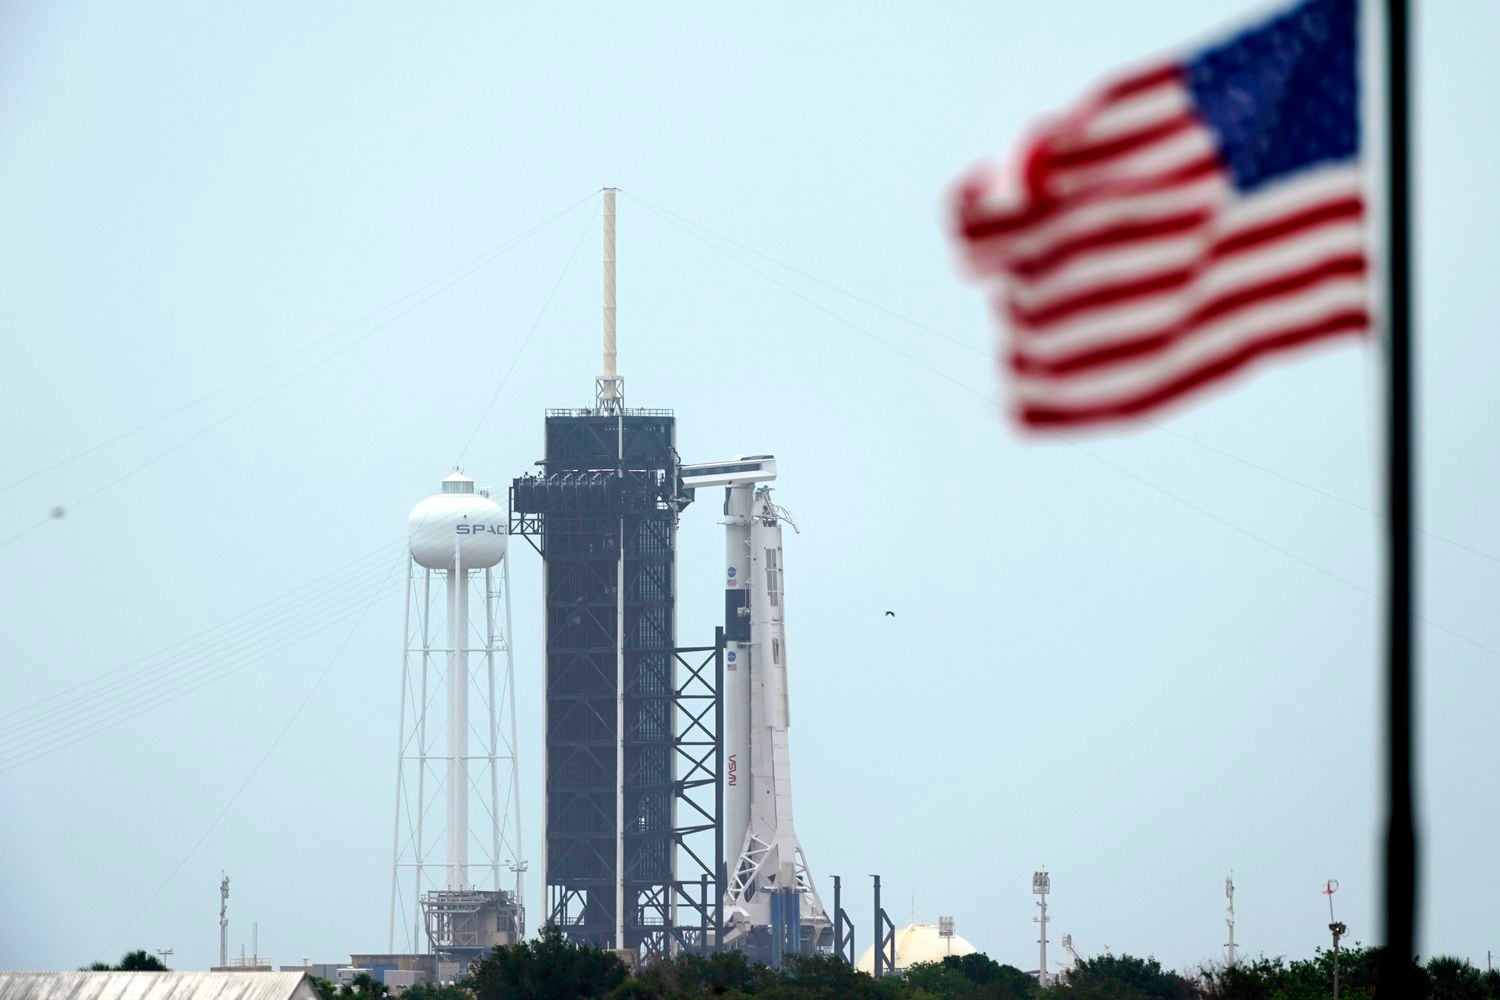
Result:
[{"x": 729, "y": 660}]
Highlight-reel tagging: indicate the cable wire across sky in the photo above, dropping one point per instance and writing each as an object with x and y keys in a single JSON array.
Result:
[
  {"x": 456, "y": 275},
  {"x": 683, "y": 223},
  {"x": 189, "y": 670},
  {"x": 684, "y": 226},
  {"x": 132, "y": 690},
  {"x": 82, "y": 710}
]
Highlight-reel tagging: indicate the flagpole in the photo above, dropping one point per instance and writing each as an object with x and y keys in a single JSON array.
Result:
[{"x": 1400, "y": 843}]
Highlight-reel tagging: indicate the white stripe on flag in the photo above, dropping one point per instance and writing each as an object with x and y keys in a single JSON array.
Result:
[{"x": 1213, "y": 340}]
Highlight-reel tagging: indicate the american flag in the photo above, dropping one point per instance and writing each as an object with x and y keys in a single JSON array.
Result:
[{"x": 1182, "y": 222}]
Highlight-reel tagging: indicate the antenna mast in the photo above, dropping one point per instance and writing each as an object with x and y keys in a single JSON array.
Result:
[
  {"x": 224, "y": 922},
  {"x": 1041, "y": 884},
  {"x": 1229, "y": 952},
  {"x": 609, "y": 387}
]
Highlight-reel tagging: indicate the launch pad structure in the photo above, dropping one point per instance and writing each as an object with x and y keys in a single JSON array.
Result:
[
  {"x": 644, "y": 799},
  {"x": 667, "y": 773},
  {"x": 626, "y": 706},
  {"x": 656, "y": 773}
]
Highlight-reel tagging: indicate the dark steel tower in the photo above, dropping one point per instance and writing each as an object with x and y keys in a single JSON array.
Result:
[
  {"x": 603, "y": 515},
  {"x": 634, "y": 752}
]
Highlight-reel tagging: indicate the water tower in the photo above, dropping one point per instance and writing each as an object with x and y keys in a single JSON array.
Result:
[{"x": 457, "y": 641}]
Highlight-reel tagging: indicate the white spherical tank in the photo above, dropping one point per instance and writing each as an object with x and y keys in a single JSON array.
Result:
[{"x": 460, "y": 521}]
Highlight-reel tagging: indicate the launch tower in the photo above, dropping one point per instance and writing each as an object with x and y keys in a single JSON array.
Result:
[{"x": 631, "y": 761}]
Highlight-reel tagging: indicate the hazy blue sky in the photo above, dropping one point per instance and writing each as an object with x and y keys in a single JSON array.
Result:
[{"x": 1140, "y": 664}]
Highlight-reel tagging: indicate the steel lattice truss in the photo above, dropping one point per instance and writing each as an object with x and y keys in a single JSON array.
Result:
[{"x": 622, "y": 697}]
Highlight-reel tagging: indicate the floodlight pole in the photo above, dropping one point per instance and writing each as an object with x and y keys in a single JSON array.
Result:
[{"x": 1336, "y": 929}]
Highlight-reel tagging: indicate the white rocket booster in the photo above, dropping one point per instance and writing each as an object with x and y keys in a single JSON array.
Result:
[
  {"x": 760, "y": 840},
  {"x": 770, "y": 856},
  {"x": 736, "y": 692}
]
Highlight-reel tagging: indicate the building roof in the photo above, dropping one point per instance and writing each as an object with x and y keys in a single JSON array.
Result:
[
  {"x": 915, "y": 943},
  {"x": 156, "y": 986}
]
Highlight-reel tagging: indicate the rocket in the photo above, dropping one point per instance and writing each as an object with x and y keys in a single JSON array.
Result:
[
  {"x": 760, "y": 838},
  {"x": 737, "y": 647}
]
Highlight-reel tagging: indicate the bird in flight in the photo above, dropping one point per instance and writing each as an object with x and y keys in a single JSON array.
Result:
[{"x": 890, "y": 614}]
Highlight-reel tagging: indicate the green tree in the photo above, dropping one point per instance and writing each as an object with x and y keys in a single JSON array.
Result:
[
  {"x": 139, "y": 960},
  {"x": 971, "y": 977},
  {"x": 549, "y": 968},
  {"x": 940, "y": 981},
  {"x": 822, "y": 977},
  {"x": 1254, "y": 979},
  {"x": 364, "y": 986},
  {"x": 1452, "y": 978},
  {"x": 1122, "y": 977},
  {"x": 724, "y": 974},
  {"x": 1097, "y": 989},
  {"x": 1312, "y": 979},
  {"x": 429, "y": 991}
]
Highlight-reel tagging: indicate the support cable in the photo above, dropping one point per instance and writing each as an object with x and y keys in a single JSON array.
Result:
[
  {"x": 527, "y": 340},
  {"x": 467, "y": 268},
  {"x": 228, "y": 660},
  {"x": 296, "y": 713},
  {"x": 87, "y": 726},
  {"x": 424, "y": 808},
  {"x": 188, "y": 666},
  {"x": 289, "y": 595},
  {"x": 682, "y": 222},
  {"x": 1066, "y": 440}
]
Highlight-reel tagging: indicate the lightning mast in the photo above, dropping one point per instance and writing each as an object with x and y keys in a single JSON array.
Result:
[
  {"x": 609, "y": 387},
  {"x": 602, "y": 513}
]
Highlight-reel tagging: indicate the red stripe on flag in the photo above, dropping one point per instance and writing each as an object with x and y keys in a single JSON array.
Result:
[
  {"x": 1219, "y": 368},
  {"x": 1041, "y": 264},
  {"x": 1132, "y": 265},
  {"x": 1154, "y": 284},
  {"x": 1111, "y": 236},
  {"x": 1138, "y": 82},
  {"x": 978, "y": 224},
  {"x": 1103, "y": 295},
  {"x": 1341, "y": 210},
  {"x": 1224, "y": 305},
  {"x": 1131, "y": 142}
]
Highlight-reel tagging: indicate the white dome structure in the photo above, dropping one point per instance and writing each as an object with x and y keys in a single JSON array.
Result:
[
  {"x": 915, "y": 944},
  {"x": 457, "y": 521}
]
